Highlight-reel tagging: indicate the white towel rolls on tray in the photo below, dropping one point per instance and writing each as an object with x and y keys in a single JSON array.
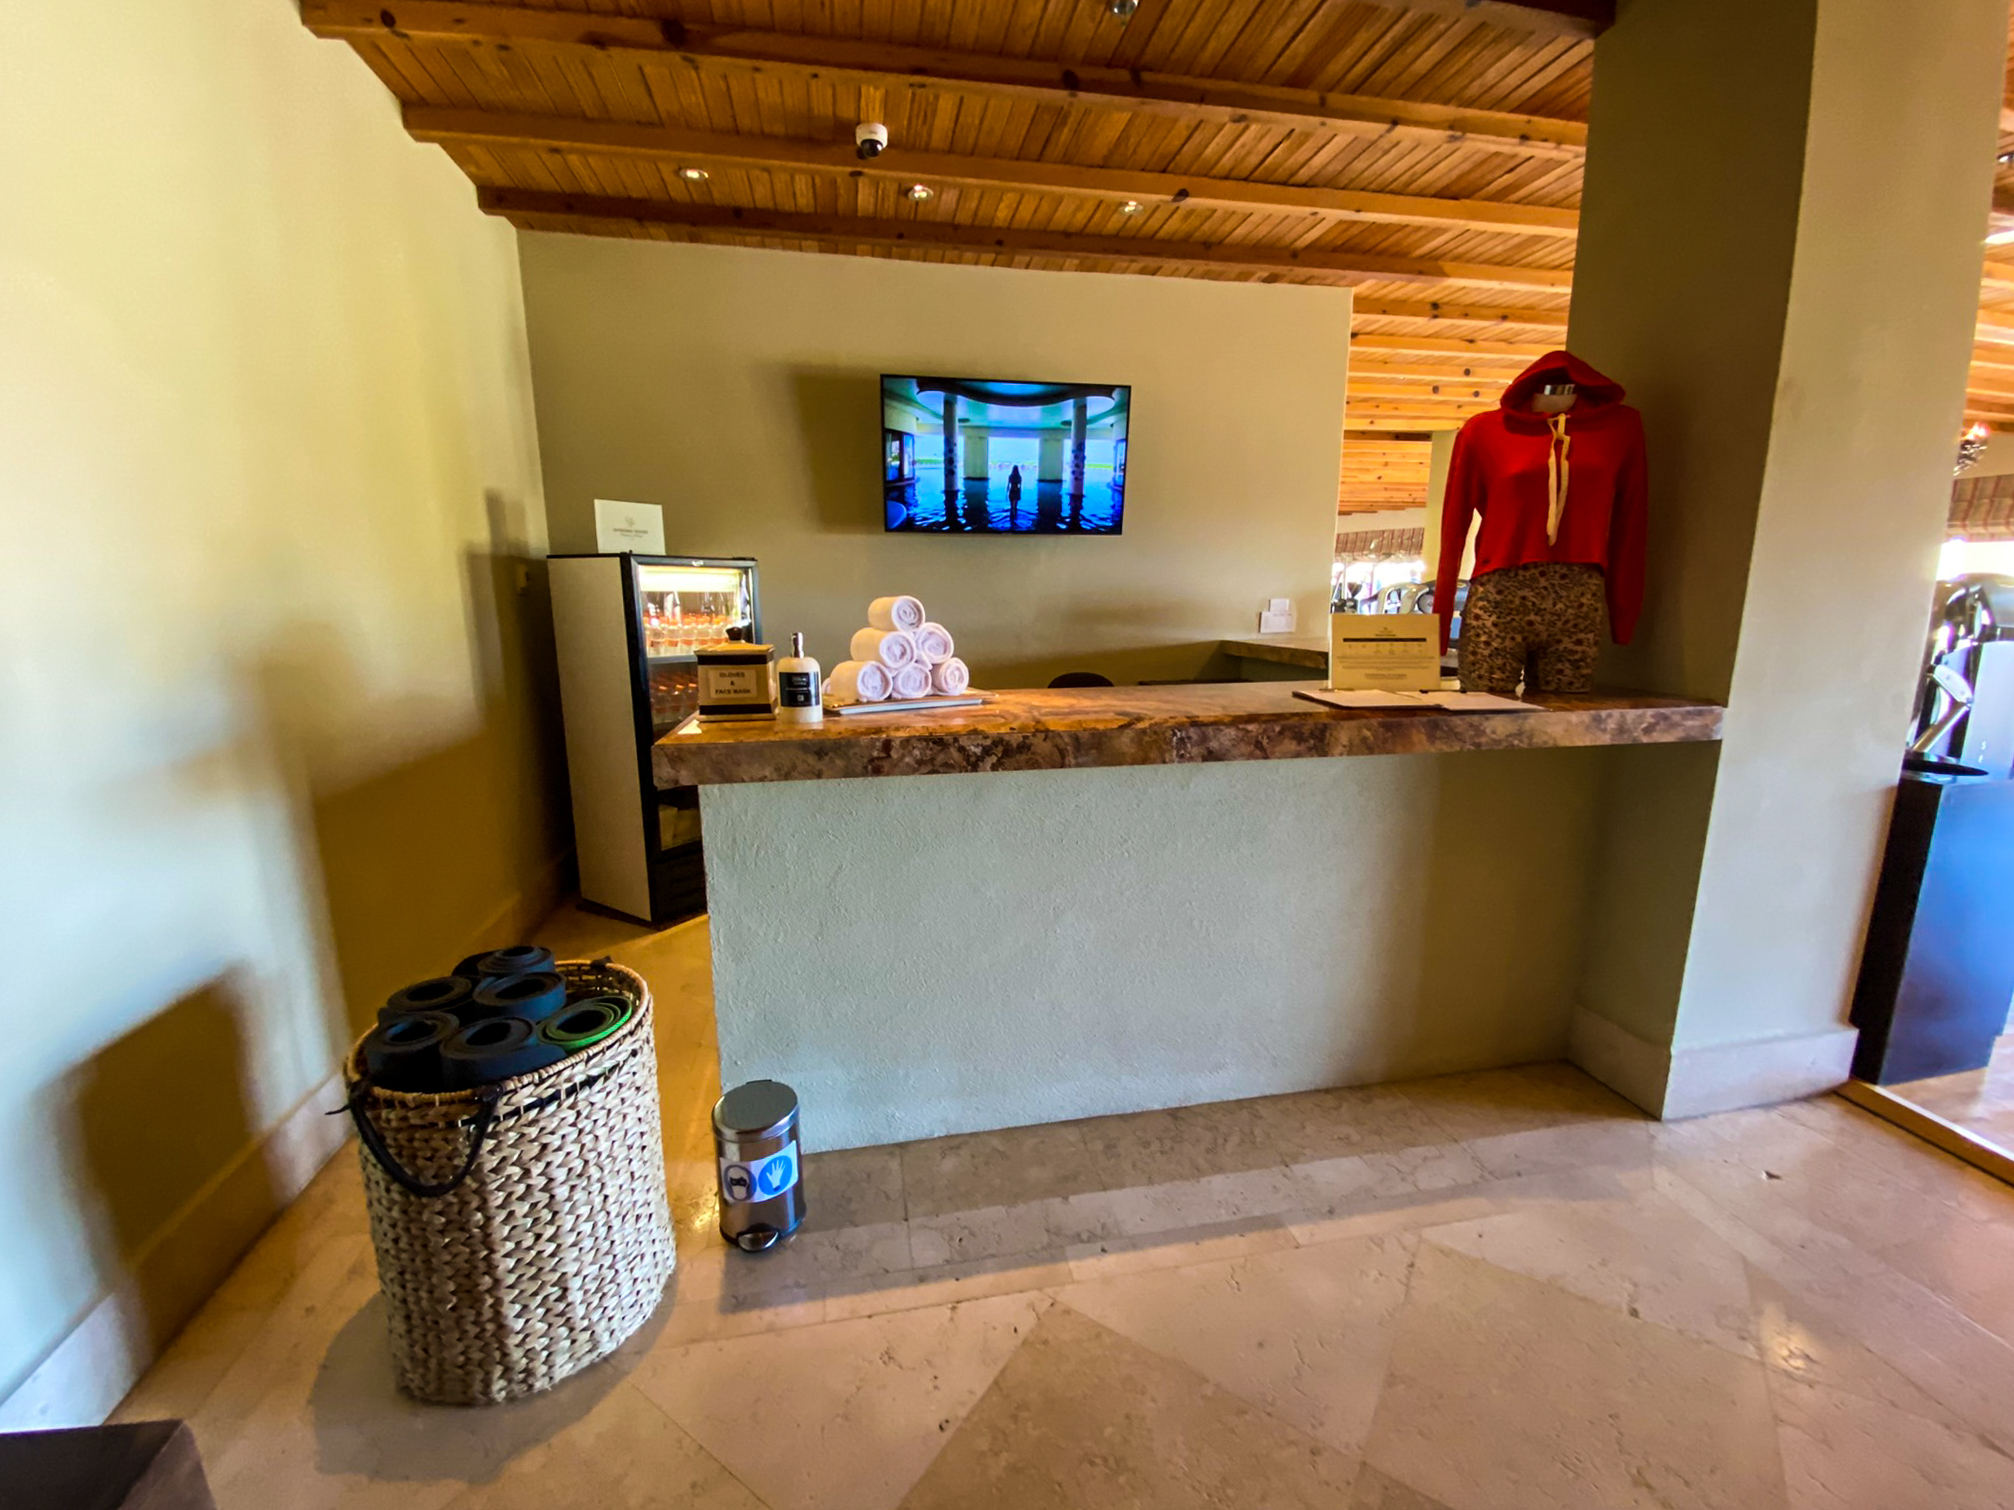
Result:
[
  {"x": 910, "y": 681},
  {"x": 891, "y": 647},
  {"x": 858, "y": 682},
  {"x": 898, "y": 612},
  {"x": 950, "y": 678},
  {"x": 934, "y": 644}
]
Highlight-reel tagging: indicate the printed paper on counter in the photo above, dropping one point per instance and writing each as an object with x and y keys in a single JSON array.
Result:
[{"x": 1386, "y": 652}]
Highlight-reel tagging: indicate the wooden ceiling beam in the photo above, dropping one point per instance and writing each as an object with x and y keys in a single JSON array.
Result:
[
  {"x": 1997, "y": 326},
  {"x": 1449, "y": 313},
  {"x": 1426, "y": 393},
  {"x": 1365, "y": 365},
  {"x": 1447, "y": 416},
  {"x": 911, "y": 70},
  {"x": 1581, "y": 19},
  {"x": 1529, "y": 351},
  {"x": 534, "y": 209},
  {"x": 939, "y": 170}
]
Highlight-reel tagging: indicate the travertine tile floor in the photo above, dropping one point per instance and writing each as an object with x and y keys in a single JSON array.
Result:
[
  {"x": 1491, "y": 1290},
  {"x": 1980, "y": 1101}
]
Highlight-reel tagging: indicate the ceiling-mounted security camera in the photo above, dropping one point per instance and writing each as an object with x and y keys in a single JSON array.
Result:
[
  {"x": 1123, "y": 9},
  {"x": 870, "y": 140}
]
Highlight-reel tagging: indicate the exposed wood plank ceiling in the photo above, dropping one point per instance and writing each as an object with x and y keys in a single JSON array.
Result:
[{"x": 1427, "y": 152}]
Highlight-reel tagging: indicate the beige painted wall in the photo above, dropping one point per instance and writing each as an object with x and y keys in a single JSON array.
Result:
[
  {"x": 268, "y": 740},
  {"x": 1786, "y": 283},
  {"x": 740, "y": 390}
]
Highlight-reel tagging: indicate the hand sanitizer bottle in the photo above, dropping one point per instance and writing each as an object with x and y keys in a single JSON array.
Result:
[{"x": 799, "y": 698}]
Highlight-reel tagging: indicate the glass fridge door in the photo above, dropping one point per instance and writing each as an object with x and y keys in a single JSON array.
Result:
[{"x": 680, "y": 608}]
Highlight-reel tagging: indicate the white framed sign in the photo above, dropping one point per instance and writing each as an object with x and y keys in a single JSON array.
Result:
[
  {"x": 635, "y": 527},
  {"x": 1384, "y": 652}
]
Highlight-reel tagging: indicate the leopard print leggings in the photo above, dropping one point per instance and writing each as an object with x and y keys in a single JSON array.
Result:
[{"x": 1541, "y": 623}]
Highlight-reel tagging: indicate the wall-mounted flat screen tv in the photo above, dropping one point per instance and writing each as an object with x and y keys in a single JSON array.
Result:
[{"x": 971, "y": 456}]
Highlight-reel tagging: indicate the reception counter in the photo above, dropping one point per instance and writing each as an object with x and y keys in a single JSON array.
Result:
[
  {"x": 1070, "y": 903},
  {"x": 1080, "y": 728}
]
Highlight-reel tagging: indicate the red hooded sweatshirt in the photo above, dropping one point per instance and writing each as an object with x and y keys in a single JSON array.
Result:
[{"x": 1581, "y": 473}]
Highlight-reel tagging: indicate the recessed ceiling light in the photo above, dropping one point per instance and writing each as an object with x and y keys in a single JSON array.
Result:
[
  {"x": 1131, "y": 207},
  {"x": 920, "y": 191},
  {"x": 693, "y": 175}
]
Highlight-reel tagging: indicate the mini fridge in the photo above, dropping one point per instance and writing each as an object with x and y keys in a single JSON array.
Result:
[{"x": 626, "y": 628}]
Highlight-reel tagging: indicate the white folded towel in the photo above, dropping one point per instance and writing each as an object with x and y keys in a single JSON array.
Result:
[
  {"x": 891, "y": 647},
  {"x": 858, "y": 682},
  {"x": 950, "y": 678},
  {"x": 933, "y": 643},
  {"x": 900, "y": 612},
  {"x": 910, "y": 681}
]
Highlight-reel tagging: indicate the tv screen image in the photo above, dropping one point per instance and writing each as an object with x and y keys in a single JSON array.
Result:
[{"x": 971, "y": 456}]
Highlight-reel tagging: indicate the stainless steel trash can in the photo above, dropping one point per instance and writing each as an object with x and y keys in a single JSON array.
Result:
[{"x": 761, "y": 1183}]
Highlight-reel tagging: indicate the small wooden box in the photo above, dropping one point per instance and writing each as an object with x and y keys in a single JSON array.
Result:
[{"x": 736, "y": 680}]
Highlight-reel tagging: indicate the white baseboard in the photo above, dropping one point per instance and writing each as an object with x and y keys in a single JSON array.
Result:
[
  {"x": 1715, "y": 1078},
  {"x": 1634, "y": 1068},
  {"x": 91, "y": 1370}
]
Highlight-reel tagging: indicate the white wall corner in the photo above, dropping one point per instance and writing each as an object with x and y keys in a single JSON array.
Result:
[
  {"x": 1722, "y": 1077},
  {"x": 1634, "y": 1068},
  {"x": 1726, "y": 1077},
  {"x": 97, "y": 1364}
]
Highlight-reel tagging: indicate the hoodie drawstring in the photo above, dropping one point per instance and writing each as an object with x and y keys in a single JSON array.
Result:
[{"x": 1556, "y": 474}]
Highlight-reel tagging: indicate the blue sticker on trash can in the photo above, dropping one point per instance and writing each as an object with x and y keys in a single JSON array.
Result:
[{"x": 758, "y": 1179}]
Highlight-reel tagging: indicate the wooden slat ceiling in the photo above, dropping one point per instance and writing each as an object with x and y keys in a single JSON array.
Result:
[{"x": 1426, "y": 152}]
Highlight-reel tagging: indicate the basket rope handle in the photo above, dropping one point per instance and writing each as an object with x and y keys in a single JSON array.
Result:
[{"x": 486, "y": 1115}]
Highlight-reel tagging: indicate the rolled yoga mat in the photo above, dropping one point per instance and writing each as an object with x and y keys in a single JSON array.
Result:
[
  {"x": 898, "y": 612},
  {"x": 893, "y": 648},
  {"x": 934, "y": 644},
  {"x": 405, "y": 1053},
  {"x": 441, "y": 993},
  {"x": 858, "y": 682},
  {"x": 950, "y": 679},
  {"x": 533, "y": 997},
  {"x": 586, "y": 1022},
  {"x": 495, "y": 1048},
  {"x": 514, "y": 959},
  {"x": 910, "y": 681}
]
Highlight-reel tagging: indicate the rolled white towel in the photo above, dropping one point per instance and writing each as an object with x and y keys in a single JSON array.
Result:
[
  {"x": 858, "y": 682},
  {"x": 891, "y": 647},
  {"x": 934, "y": 644},
  {"x": 910, "y": 681},
  {"x": 899, "y": 612},
  {"x": 950, "y": 678}
]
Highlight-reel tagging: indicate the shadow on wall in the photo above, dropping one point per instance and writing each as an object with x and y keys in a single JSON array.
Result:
[
  {"x": 839, "y": 420},
  {"x": 460, "y": 844},
  {"x": 157, "y": 1125},
  {"x": 1504, "y": 939}
]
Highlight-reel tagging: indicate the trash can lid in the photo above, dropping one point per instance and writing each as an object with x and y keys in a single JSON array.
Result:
[{"x": 759, "y": 1109}]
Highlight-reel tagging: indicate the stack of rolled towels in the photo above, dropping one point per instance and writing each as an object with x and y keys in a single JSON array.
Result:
[{"x": 900, "y": 656}]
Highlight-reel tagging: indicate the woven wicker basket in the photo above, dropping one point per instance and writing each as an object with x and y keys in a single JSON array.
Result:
[{"x": 521, "y": 1229}]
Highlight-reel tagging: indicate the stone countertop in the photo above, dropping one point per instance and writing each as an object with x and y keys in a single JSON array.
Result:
[
  {"x": 1083, "y": 727},
  {"x": 1287, "y": 649}
]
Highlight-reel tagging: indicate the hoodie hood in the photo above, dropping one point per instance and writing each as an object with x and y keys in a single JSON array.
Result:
[{"x": 1597, "y": 391}]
